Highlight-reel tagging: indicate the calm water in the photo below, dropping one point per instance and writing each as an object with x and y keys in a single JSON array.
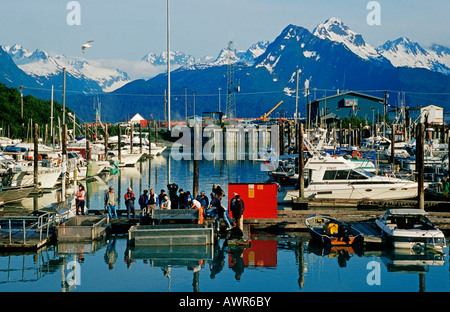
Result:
[{"x": 287, "y": 263}]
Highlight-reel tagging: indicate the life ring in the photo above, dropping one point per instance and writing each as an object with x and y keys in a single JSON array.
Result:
[{"x": 356, "y": 154}]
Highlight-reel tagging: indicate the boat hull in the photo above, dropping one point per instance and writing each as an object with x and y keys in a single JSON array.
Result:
[
  {"x": 356, "y": 192},
  {"x": 316, "y": 226}
]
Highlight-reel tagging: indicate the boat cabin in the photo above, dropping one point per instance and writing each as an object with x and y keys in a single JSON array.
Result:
[
  {"x": 407, "y": 219},
  {"x": 334, "y": 170}
]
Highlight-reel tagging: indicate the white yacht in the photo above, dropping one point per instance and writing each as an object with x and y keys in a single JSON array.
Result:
[
  {"x": 338, "y": 178},
  {"x": 410, "y": 228}
]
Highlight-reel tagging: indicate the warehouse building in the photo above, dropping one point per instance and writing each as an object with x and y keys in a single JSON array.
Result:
[{"x": 343, "y": 105}]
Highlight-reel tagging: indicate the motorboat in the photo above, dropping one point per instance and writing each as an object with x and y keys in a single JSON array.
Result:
[
  {"x": 330, "y": 231},
  {"x": 126, "y": 159},
  {"x": 410, "y": 228},
  {"x": 334, "y": 177},
  {"x": 15, "y": 185},
  {"x": 48, "y": 170}
]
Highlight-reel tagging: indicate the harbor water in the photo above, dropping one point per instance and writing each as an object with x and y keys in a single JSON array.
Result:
[{"x": 283, "y": 262}]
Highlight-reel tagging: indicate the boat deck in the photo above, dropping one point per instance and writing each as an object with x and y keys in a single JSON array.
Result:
[{"x": 371, "y": 234}]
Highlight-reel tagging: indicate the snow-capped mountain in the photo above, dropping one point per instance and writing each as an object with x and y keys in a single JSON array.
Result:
[
  {"x": 405, "y": 53},
  {"x": 177, "y": 58},
  {"x": 45, "y": 68},
  {"x": 400, "y": 53},
  {"x": 335, "y": 30}
]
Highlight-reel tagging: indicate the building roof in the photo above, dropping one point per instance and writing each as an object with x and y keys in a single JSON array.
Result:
[
  {"x": 137, "y": 118},
  {"x": 353, "y": 93},
  {"x": 421, "y": 107}
]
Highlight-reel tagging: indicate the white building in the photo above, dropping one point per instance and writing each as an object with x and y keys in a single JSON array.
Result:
[
  {"x": 435, "y": 114},
  {"x": 136, "y": 119}
]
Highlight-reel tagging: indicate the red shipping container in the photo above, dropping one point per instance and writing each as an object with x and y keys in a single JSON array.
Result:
[{"x": 260, "y": 199}]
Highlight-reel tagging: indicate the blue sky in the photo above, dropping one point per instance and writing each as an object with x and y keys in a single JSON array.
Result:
[{"x": 130, "y": 29}]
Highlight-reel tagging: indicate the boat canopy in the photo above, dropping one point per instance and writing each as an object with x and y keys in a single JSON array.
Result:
[{"x": 404, "y": 212}]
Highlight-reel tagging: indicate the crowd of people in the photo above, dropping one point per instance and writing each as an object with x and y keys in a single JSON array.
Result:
[{"x": 177, "y": 198}]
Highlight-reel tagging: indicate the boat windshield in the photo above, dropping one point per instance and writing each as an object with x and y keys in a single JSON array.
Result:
[
  {"x": 365, "y": 173},
  {"x": 344, "y": 175}
]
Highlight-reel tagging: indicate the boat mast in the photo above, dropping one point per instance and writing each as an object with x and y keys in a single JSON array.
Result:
[{"x": 168, "y": 65}]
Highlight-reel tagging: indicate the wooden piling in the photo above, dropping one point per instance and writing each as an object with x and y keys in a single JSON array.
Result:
[
  {"x": 140, "y": 138},
  {"x": 197, "y": 146},
  {"x": 120, "y": 143},
  {"x": 106, "y": 141},
  {"x": 36, "y": 154},
  {"x": 301, "y": 178},
  {"x": 131, "y": 137},
  {"x": 393, "y": 145},
  {"x": 420, "y": 141}
]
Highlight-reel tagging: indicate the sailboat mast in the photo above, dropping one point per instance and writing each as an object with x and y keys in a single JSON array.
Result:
[{"x": 168, "y": 64}]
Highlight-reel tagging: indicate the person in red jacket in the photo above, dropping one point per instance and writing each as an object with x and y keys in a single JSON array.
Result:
[{"x": 129, "y": 203}]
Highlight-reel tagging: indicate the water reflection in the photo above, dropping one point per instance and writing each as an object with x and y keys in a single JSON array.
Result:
[{"x": 283, "y": 263}]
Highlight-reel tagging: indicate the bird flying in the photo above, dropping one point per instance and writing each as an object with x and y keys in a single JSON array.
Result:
[{"x": 86, "y": 45}]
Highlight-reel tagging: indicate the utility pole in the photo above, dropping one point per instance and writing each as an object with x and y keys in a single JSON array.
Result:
[
  {"x": 21, "y": 112},
  {"x": 185, "y": 104},
  {"x": 296, "y": 100},
  {"x": 64, "y": 97}
]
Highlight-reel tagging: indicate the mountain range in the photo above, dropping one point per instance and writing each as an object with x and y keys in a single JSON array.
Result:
[{"x": 330, "y": 58}]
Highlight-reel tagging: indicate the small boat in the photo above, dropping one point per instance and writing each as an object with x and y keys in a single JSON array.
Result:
[
  {"x": 410, "y": 228},
  {"x": 330, "y": 231}
]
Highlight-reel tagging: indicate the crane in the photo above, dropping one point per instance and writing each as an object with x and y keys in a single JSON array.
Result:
[{"x": 264, "y": 117}]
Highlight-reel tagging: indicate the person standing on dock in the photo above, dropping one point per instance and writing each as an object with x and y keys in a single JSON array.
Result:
[
  {"x": 237, "y": 210},
  {"x": 129, "y": 203},
  {"x": 173, "y": 188},
  {"x": 111, "y": 202},
  {"x": 80, "y": 200},
  {"x": 152, "y": 202},
  {"x": 161, "y": 197},
  {"x": 182, "y": 200},
  {"x": 143, "y": 202}
]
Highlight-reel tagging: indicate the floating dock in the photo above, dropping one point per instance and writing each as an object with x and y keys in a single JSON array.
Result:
[
  {"x": 26, "y": 232},
  {"x": 171, "y": 235},
  {"x": 82, "y": 228}
]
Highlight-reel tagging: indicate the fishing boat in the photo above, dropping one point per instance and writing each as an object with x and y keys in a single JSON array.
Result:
[
  {"x": 410, "y": 228},
  {"x": 337, "y": 178},
  {"x": 330, "y": 231}
]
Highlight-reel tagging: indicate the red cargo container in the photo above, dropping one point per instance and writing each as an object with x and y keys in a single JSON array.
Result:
[{"x": 260, "y": 199}]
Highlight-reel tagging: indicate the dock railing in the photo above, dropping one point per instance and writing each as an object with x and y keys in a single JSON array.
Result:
[{"x": 27, "y": 227}]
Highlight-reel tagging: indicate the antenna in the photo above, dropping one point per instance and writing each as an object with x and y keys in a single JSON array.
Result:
[{"x": 231, "y": 89}]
